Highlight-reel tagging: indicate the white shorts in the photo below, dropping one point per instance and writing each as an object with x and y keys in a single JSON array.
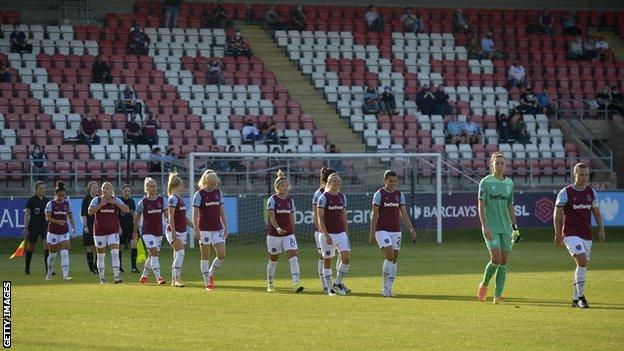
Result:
[
  {"x": 385, "y": 238},
  {"x": 577, "y": 245},
  {"x": 56, "y": 238},
  {"x": 106, "y": 240},
  {"x": 279, "y": 244},
  {"x": 152, "y": 241},
  {"x": 180, "y": 235},
  {"x": 340, "y": 242},
  {"x": 211, "y": 238}
]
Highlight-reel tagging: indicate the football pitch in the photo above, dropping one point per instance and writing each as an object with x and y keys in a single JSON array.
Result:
[{"x": 436, "y": 308}]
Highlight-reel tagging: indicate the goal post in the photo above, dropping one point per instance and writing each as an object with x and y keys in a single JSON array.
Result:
[{"x": 247, "y": 182}]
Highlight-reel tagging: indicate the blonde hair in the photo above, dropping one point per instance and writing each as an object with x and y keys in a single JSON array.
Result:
[
  {"x": 174, "y": 182},
  {"x": 578, "y": 166},
  {"x": 111, "y": 185},
  {"x": 493, "y": 158},
  {"x": 280, "y": 178},
  {"x": 206, "y": 176},
  {"x": 147, "y": 181},
  {"x": 89, "y": 185},
  {"x": 330, "y": 178},
  {"x": 39, "y": 182}
]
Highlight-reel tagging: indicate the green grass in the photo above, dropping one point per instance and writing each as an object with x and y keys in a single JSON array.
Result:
[{"x": 436, "y": 308}]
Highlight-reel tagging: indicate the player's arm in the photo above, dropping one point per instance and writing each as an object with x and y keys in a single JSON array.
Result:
[
  {"x": 26, "y": 221},
  {"x": 190, "y": 223},
  {"x": 122, "y": 206},
  {"x": 373, "y": 226},
  {"x": 196, "y": 222},
  {"x": 515, "y": 232},
  {"x": 408, "y": 222},
  {"x": 73, "y": 223},
  {"x": 315, "y": 215},
  {"x": 484, "y": 227},
  {"x": 137, "y": 219},
  {"x": 558, "y": 223},
  {"x": 598, "y": 217},
  {"x": 224, "y": 222},
  {"x": 322, "y": 227},
  {"x": 94, "y": 208},
  {"x": 273, "y": 221},
  {"x": 171, "y": 215},
  {"x": 345, "y": 220}
]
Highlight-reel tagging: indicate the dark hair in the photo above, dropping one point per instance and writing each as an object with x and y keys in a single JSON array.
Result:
[
  {"x": 126, "y": 186},
  {"x": 389, "y": 173},
  {"x": 325, "y": 173},
  {"x": 60, "y": 186}
]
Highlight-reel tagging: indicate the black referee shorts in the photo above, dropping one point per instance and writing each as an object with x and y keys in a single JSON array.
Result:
[
  {"x": 87, "y": 238},
  {"x": 35, "y": 233}
]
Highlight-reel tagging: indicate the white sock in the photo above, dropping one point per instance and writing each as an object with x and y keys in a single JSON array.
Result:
[
  {"x": 204, "y": 265},
  {"x": 156, "y": 267},
  {"x": 338, "y": 261},
  {"x": 319, "y": 269},
  {"x": 115, "y": 261},
  {"x": 342, "y": 271},
  {"x": 147, "y": 268},
  {"x": 327, "y": 276},
  {"x": 51, "y": 260},
  {"x": 574, "y": 291},
  {"x": 176, "y": 268},
  {"x": 294, "y": 269},
  {"x": 392, "y": 277},
  {"x": 580, "y": 281},
  {"x": 216, "y": 263},
  {"x": 65, "y": 263},
  {"x": 271, "y": 271},
  {"x": 101, "y": 265},
  {"x": 386, "y": 270}
]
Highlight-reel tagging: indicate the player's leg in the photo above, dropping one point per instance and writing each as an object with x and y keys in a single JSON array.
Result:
[
  {"x": 52, "y": 248},
  {"x": 88, "y": 242},
  {"x": 342, "y": 242},
  {"x": 204, "y": 263},
  {"x": 490, "y": 268},
  {"x": 579, "y": 279},
  {"x": 133, "y": 256},
  {"x": 100, "y": 247},
  {"x": 385, "y": 245},
  {"x": 64, "y": 251},
  {"x": 289, "y": 244},
  {"x": 319, "y": 262},
  {"x": 147, "y": 266},
  {"x": 274, "y": 248},
  {"x": 46, "y": 250},
  {"x": 177, "y": 243},
  {"x": 396, "y": 247},
  {"x": 501, "y": 277},
  {"x": 328, "y": 251},
  {"x": 218, "y": 243},
  {"x": 113, "y": 244},
  {"x": 31, "y": 239}
]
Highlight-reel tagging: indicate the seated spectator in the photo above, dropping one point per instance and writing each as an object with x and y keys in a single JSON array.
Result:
[
  {"x": 590, "y": 50},
  {"x": 475, "y": 51},
  {"x": 236, "y": 45},
  {"x": 387, "y": 101},
  {"x": 128, "y": 103},
  {"x": 602, "y": 47},
  {"x": 425, "y": 100},
  {"x": 546, "y": 21},
  {"x": 234, "y": 165},
  {"x": 219, "y": 164},
  {"x": 88, "y": 128},
  {"x": 215, "y": 72},
  {"x": 489, "y": 48},
  {"x": 575, "y": 49},
  {"x": 371, "y": 100},
  {"x": 269, "y": 131},
  {"x": 504, "y": 128},
  {"x": 335, "y": 163},
  {"x": 219, "y": 18},
  {"x": 150, "y": 129},
  {"x": 5, "y": 74},
  {"x": 569, "y": 24},
  {"x": 516, "y": 76},
  {"x": 133, "y": 133},
  {"x": 155, "y": 161},
  {"x": 138, "y": 42},
  {"x": 271, "y": 20},
  {"x": 455, "y": 131},
  {"x": 472, "y": 131},
  {"x": 519, "y": 129},
  {"x": 528, "y": 101},
  {"x": 460, "y": 21},
  {"x": 18, "y": 41},
  {"x": 298, "y": 19},
  {"x": 543, "y": 100},
  {"x": 100, "y": 72},
  {"x": 171, "y": 161},
  {"x": 38, "y": 164},
  {"x": 373, "y": 20},
  {"x": 172, "y": 10},
  {"x": 617, "y": 100},
  {"x": 441, "y": 105},
  {"x": 411, "y": 22},
  {"x": 250, "y": 132}
]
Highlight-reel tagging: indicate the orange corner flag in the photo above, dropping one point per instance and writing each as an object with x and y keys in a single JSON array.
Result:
[{"x": 19, "y": 252}]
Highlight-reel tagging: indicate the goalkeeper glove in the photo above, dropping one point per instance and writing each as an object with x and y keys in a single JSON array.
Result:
[{"x": 515, "y": 233}]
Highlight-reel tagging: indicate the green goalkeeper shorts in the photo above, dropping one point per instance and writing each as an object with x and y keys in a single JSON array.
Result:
[{"x": 499, "y": 241}]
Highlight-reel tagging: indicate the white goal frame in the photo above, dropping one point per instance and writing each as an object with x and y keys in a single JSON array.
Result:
[{"x": 253, "y": 155}]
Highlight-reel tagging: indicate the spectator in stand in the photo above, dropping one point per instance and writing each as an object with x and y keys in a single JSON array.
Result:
[
  {"x": 172, "y": 10},
  {"x": 543, "y": 100},
  {"x": 298, "y": 19},
  {"x": 219, "y": 165},
  {"x": 516, "y": 76},
  {"x": 150, "y": 129},
  {"x": 590, "y": 50},
  {"x": 250, "y": 132},
  {"x": 569, "y": 24},
  {"x": 472, "y": 131},
  {"x": 128, "y": 101},
  {"x": 234, "y": 165},
  {"x": 155, "y": 161},
  {"x": 88, "y": 128},
  {"x": 374, "y": 20},
  {"x": 219, "y": 18},
  {"x": 171, "y": 161},
  {"x": 371, "y": 100},
  {"x": 520, "y": 132},
  {"x": 268, "y": 130},
  {"x": 215, "y": 72},
  {"x": 5, "y": 74},
  {"x": 528, "y": 101},
  {"x": 489, "y": 48},
  {"x": 575, "y": 49},
  {"x": 411, "y": 22},
  {"x": 546, "y": 21},
  {"x": 617, "y": 100},
  {"x": 602, "y": 47},
  {"x": 38, "y": 163},
  {"x": 133, "y": 133},
  {"x": 441, "y": 105},
  {"x": 335, "y": 163},
  {"x": 100, "y": 72},
  {"x": 425, "y": 100},
  {"x": 271, "y": 21},
  {"x": 236, "y": 45},
  {"x": 18, "y": 41},
  {"x": 138, "y": 42},
  {"x": 504, "y": 127},
  {"x": 460, "y": 21},
  {"x": 387, "y": 101},
  {"x": 475, "y": 51},
  {"x": 604, "y": 100},
  {"x": 455, "y": 131}
]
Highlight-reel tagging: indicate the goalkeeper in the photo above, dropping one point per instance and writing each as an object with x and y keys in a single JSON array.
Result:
[{"x": 498, "y": 224}]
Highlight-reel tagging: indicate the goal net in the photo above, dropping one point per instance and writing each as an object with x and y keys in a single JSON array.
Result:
[{"x": 247, "y": 183}]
